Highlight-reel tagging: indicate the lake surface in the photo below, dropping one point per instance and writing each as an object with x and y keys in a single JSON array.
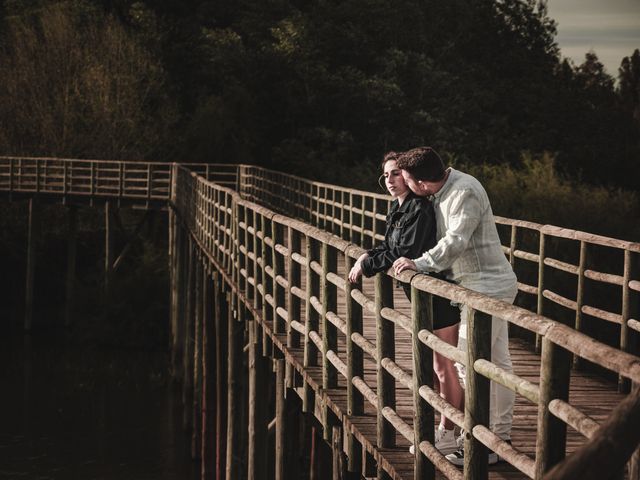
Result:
[{"x": 72, "y": 411}]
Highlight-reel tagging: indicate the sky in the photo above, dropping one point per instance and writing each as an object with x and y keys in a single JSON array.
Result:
[{"x": 611, "y": 28}]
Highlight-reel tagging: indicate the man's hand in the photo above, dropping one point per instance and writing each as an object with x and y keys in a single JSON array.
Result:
[{"x": 402, "y": 264}]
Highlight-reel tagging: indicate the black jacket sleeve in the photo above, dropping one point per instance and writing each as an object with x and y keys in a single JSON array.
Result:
[{"x": 417, "y": 235}]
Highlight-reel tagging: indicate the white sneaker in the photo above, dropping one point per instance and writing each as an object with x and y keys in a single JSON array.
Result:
[{"x": 445, "y": 441}]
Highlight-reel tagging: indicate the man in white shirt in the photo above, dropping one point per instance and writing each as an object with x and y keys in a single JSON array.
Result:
[{"x": 468, "y": 248}]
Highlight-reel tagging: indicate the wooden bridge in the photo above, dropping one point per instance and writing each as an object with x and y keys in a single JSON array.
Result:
[{"x": 271, "y": 344}]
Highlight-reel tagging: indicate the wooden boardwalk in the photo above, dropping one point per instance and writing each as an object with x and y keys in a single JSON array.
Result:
[
  {"x": 223, "y": 242},
  {"x": 589, "y": 392}
]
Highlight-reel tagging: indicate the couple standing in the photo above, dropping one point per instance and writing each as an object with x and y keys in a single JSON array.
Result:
[{"x": 441, "y": 223}]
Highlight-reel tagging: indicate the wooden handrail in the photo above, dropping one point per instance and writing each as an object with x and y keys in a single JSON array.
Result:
[{"x": 244, "y": 240}]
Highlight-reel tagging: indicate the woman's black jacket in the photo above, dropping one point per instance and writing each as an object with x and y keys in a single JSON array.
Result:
[{"x": 410, "y": 231}]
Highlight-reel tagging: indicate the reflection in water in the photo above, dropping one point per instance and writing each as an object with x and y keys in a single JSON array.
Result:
[{"x": 69, "y": 411}]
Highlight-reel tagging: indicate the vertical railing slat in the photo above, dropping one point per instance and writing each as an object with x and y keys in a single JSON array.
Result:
[
  {"x": 355, "y": 399},
  {"x": 476, "y": 394},
  {"x": 423, "y": 416},
  {"x": 385, "y": 346}
]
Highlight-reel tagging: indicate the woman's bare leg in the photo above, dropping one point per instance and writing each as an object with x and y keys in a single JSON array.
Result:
[{"x": 447, "y": 375}]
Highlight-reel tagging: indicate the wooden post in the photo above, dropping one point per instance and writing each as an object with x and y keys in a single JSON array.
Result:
[
  {"x": 339, "y": 470},
  {"x": 512, "y": 246},
  {"x": 237, "y": 431},
  {"x": 258, "y": 376},
  {"x": 355, "y": 368},
  {"x": 311, "y": 321},
  {"x": 577, "y": 361},
  {"x": 277, "y": 234},
  {"x": 109, "y": 254},
  {"x": 633, "y": 466},
  {"x": 294, "y": 442},
  {"x": 606, "y": 453},
  {"x": 208, "y": 377},
  {"x": 366, "y": 240},
  {"x": 280, "y": 421},
  {"x": 329, "y": 332},
  {"x": 33, "y": 234},
  {"x": 267, "y": 281},
  {"x": 187, "y": 352},
  {"x": 180, "y": 306},
  {"x": 385, "y": 345},
  {"x": 628, "y": 305},
  {"x": 235, "y": 376},
  {"x": 72, "y": 250},
  {"x": 257, "y": 270},
  {"x": 196, "y": 430},
  {"x": 293, "y": 302},
  {"x": 223, "y": 310},
  {"x": 423, "y": 417},
  {"x": 541, "y": 284},
  {"x": 171, "y": 264},
  {"x": 476, "y": 394},
  {"x": 555, "y": 373}
]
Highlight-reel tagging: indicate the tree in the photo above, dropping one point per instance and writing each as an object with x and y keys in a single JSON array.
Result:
[
  {"x": 76, "y": 83},
  {"x": 629, "y": 85}
]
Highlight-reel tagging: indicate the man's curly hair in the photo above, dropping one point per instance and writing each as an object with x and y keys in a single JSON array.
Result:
[{"x": 423, "y": 163}]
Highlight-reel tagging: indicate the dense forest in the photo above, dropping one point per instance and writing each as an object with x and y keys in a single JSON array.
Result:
[{"x": 323, "y": 89}]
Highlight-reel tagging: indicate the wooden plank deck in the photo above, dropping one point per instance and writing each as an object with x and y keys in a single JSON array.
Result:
[{"x": 588, "y": 392}]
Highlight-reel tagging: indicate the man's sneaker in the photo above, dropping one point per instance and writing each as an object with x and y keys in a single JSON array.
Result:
[
  {"x": 445, "y": 441},
  {"x": 457, "y": 457}
]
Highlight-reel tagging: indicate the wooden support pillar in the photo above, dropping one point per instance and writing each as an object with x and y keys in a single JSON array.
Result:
[
  {"x": 196, "y": 431},
  {"x": 223, "y": 310},
  {"x": 236, "y": 376},
  {"x": 33, "y": 234},
  {"x": 173, "y": 280},
  {"x": 555, "y": 371},
  {"x": 633, "y": 466},
  {"x": 109, "y": 254},
  {"x": 280, "y": 421},
  {"x": 339, "y": 463},
  {"x": 208, "y": 378},
  {"x": 258, "y": 378},
  {"x": 422, "y": 319},
  {"x": 294, "y": 443},
  {"x": 180, "y": 306},
  {"x": 72, "y": 250},
  {"x": 187, "y": 352},
  {"x": 476, "y": 403}
]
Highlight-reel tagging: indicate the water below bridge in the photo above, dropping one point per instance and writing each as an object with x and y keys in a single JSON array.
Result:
[{"x": 70, "y": 410}]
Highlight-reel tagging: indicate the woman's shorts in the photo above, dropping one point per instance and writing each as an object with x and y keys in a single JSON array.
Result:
[{"x": 444, "y": 314}]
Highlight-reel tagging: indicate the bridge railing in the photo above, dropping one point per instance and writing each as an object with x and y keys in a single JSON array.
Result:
[
  {"x": 110, "y": 179},
  {"x": 575, "y": 277},
  {"x": 266, "y": 256}
]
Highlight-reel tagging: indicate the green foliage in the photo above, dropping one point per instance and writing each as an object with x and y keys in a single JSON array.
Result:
[
  {"x": 537, "y": 192},
  {"x": 77, "y": 83}
]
